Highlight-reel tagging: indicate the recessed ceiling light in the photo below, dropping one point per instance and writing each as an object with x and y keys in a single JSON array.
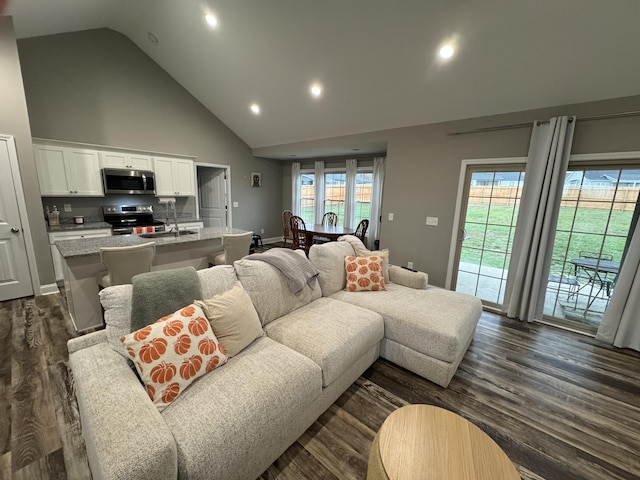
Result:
[
  {"x": 316, "y": 90},
  {"x": 255, "y": 108},
  {"x": 447, "y": 51},
  {"x": 211, "y": 19}
]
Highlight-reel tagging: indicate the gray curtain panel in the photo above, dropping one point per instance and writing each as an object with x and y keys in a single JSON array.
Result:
[
  {"x": 620, "y": 324},
  {"x": 535, "y": 230}
]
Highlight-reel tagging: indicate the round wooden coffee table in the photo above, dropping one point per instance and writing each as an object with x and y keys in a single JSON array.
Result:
[{"x": 426, "y": 442}]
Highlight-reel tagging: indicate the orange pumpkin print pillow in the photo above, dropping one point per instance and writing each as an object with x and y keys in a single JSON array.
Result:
[
  {"x": 364, "y": 273},
  {"x": 174, "y": 352}
]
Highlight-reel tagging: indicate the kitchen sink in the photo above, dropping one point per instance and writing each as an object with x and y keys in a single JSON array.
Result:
[{"x": 166, "y": 234}]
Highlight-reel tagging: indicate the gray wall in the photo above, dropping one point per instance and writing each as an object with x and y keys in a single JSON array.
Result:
[
  {"x": 423, "y": 168},
  {"x": 14, "y": 121},
  {"x": 97, "y": 87}
]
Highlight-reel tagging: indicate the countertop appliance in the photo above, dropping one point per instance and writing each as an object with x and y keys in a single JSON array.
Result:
[
  {"x": 130, "y": 182},
  {"x": 128, "y": 219}
]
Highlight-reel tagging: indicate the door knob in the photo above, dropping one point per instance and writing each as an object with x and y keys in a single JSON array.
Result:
[{"x": 15, "y": 229}]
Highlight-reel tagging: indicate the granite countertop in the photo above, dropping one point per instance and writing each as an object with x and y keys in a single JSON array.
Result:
[
  {"x": 67, "y": 227},
  {"x": 91, "y": 246}
]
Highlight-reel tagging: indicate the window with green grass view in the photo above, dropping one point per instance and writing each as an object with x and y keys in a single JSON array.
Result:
[
  {"x": 492, "y": 201},
  {"x": 307, "y": 196},
  {"x": 335, "y": 191},
  {"x": 334, "y": 194},
  {"x": 364, "y": 182},
  {"x": 596, "y": 214}
]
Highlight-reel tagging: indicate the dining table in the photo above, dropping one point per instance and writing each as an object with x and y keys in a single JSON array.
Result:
[
  {"x": 599, "y": 273},
  {"x": 332, "y": 232}
]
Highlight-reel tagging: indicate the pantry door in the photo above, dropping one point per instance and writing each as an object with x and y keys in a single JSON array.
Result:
[{"x": 15, "y": 277}]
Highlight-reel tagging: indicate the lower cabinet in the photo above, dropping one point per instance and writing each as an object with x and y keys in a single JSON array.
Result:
[{"x": 71, "y": 235}]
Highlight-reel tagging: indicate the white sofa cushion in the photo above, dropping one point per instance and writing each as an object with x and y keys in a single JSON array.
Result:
[
  {"x": 435, "y": 322},
  {"x": 331, "y": 333},
  {"x": 255, "y": 403},
  {"x": 329, "y": 260},
  {"x": 269, "y": 290}
]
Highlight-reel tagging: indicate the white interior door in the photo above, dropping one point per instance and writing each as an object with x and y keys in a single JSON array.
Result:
[
  {"x": 212, "y": 196},
  {"x": 15, "y": 279}
]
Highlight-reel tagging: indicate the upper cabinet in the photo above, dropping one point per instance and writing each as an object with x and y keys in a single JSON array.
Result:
[
  {"x": 174, "y": 177},
  {"x": 68, "y": 171},
  {"x": 126, "y": 160}
]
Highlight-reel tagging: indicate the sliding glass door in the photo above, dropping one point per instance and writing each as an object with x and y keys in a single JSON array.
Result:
[
  {"x": 489, "y": 212},
  {"x": 599, "y": 206}
]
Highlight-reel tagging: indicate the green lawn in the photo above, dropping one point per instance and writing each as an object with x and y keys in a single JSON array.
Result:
[{"x": 590, "y": 234}]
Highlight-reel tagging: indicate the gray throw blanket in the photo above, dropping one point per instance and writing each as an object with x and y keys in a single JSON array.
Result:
[
  {"x": 296, "y": 268},
  {"x": 157, "y": 294}
]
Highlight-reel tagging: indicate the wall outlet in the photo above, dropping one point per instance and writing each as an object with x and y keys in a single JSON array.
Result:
[
  {"x": 67, "y": 207},
  {"x": 391, "y": 217},
  {"x": 432, "y": 221},
  {"x": 262, "y": 231},
  {"x": 410, "y": 265}
]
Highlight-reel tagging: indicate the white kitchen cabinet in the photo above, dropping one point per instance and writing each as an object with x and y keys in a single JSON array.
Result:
[
  {"x": 126, "y": 160},
  {"x": 174, "y": 177},
  {"x": 71, "y": 235},
  {"x": 68, "y": 171}
]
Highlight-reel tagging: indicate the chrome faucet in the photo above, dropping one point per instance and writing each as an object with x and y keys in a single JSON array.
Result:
[{"x": 171, "y": 205}]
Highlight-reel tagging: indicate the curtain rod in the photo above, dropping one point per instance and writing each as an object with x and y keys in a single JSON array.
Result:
[{"x": 604, "y": 116}]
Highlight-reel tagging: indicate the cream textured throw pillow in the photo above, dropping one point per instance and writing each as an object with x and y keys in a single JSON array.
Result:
[
  {"x": 384, "y": 253},
  {"x": 233, "y": 318}
]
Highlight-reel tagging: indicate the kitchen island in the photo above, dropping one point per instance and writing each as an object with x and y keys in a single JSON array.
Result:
[{"x": 82, "y": 264}]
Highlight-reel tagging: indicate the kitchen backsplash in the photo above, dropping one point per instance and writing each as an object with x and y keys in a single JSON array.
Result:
[{"x": 91, "y": 207}]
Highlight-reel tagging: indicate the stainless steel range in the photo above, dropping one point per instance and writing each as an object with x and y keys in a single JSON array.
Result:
[{"x": 129, "y": 219}]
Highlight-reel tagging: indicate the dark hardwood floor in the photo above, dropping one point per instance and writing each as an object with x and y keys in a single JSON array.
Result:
[{"x": 561, "y": 405}]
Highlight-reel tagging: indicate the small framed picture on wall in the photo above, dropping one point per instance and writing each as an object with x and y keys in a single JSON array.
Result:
[{"x": 256, "y": 179}]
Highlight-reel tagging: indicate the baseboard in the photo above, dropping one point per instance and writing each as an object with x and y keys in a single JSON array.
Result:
[
  {"x": 48, "y": 289},
  {"x": 271, "y": 240}
]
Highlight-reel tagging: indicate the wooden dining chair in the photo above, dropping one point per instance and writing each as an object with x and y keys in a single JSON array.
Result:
[
  {"x": 330, "y": 218},
  {"x": 286, "y": 226},
  {"x": 299, "y": 232},
  {"x": 361, "y": 230}
]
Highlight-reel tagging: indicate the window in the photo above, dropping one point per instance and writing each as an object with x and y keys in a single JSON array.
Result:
[
  {"x": 364, "y": 182},
  {"x": 335, "y": 190},
  {"x": 335, "y": 185},
  {"x": 307, "y": 196}
]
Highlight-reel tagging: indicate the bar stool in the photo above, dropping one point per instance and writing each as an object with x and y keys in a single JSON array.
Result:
[
  {"x": 235, "y": 245},
  {"x": 123, "y": 263}
]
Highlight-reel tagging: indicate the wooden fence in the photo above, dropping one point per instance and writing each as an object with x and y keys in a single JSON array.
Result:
[
  {"x": 623, "y": 199},
  {"x": 335, "y": 194}
]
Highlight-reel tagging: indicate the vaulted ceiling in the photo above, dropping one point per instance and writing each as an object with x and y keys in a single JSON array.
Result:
[{"x": 376, "y": 60}]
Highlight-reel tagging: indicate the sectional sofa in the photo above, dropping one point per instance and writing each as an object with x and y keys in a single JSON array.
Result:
[{"x": 233, "y": 422}]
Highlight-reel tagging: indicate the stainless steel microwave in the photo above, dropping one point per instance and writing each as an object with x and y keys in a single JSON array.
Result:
[{"x": 130, "y": 182}]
